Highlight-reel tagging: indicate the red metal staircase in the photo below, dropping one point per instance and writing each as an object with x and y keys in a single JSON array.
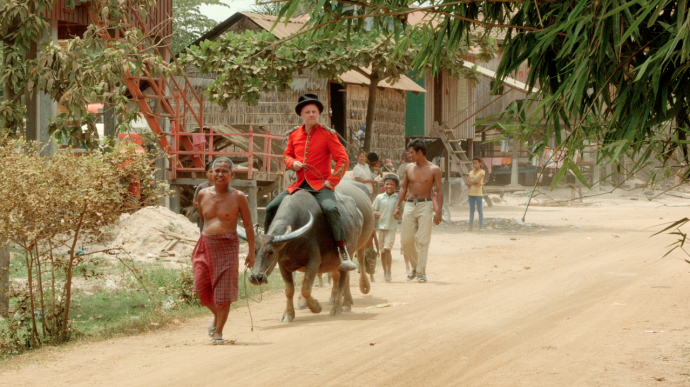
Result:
[{"x": 172, "y": 97}]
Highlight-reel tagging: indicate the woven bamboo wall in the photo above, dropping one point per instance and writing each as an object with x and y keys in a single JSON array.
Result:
[
  {"x": 389, "y": 119},
  {"x": 275, "y": 111}
]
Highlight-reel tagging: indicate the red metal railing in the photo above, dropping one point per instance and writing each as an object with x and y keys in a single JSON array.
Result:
[{"x": 207, "y": 153}]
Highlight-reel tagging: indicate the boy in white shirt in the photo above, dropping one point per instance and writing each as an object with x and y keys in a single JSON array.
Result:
[{"x": 384, "y": 210}]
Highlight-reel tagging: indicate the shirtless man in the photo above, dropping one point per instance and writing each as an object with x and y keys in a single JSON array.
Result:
[
  {"x": 421, "y": 177},
  {"x": 215, "y": 259}
]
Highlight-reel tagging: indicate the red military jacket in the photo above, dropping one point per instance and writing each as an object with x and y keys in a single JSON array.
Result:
[{"x": 315, "y": 150}]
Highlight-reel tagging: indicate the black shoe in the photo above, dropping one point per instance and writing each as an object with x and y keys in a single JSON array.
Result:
[
  {"x": 346, "y": 263},
  {"x": 412, "y": 275}
]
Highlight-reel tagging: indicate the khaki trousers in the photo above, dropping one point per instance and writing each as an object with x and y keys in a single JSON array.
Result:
[{"x": 416, "y": 224}]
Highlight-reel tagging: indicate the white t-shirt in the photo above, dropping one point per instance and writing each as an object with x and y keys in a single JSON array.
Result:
[{"x": 363, "y": 172}]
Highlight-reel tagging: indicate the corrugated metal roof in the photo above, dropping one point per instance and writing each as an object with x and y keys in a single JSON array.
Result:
[{"x": 283, "y": 30}]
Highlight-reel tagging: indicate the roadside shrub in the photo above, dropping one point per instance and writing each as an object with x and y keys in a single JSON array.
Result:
[{"x": 52, "y": 209}]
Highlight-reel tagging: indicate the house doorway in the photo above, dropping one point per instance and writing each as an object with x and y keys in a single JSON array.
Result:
[{"x": 337, "y": 111}]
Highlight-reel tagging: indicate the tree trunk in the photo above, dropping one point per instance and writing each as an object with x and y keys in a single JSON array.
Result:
[
  {"x": 371, "y": 111},
  {"x": 32, "y": 124},
  {"x": 4, "y": 278}
]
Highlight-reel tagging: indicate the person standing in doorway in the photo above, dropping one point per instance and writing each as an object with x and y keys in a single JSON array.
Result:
[
  {"x": 421, "y": 177},
  {"x": 475, "y": 180}
]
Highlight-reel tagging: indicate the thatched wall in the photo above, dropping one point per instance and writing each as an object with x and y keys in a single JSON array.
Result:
[
  {"x": 389, "y": 120},
  {"x": 275, "y": 111}
]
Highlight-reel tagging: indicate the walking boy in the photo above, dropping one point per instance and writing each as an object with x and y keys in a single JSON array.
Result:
[
  {"x": 215, "y": 258},
  {"x": 384, "y": 211},
  {"x": 475, "y": 180},
  {"x": 421, "y": 176}
]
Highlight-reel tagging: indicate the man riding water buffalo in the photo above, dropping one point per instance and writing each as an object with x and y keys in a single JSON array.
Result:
[{"x": 309, "y": 151}]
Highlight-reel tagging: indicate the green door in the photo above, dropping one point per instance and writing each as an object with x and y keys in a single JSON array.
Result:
[{"x": 414, "y": 110}]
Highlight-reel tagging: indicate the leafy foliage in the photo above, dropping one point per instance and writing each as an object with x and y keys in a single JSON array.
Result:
[
  {"x": 85, "y": 70},
  {"x": 189, "y": 24},
  {"x": 607, "y": 71},
  {"x": 55, "y": 206}
]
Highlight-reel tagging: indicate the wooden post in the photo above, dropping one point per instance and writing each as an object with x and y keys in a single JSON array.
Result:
[
  {"x": 4, "y": 278},
  {"x": 446, "y": 183},
  {"x": 252, "y": 198},
  {"x": 175, "y": 198},
  {"x": 514, "y": 173}
]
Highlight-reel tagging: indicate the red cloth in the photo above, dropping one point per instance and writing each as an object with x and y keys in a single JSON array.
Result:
[
  {"x": 316, "y": 150},
  {"x": 215, "y": 262},
  {"x": 198, "y": 140}
]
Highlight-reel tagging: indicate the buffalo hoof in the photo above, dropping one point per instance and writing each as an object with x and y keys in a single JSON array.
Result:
[
  {"x": 287, "y": 317},
  {"x": 347, "y": 308},
  {"x": 314, "y": 306},
  {"x": 301, "y": 303},
  {"x": 336, "y": 312}
]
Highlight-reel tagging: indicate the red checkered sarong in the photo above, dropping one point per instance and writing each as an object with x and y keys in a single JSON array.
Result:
[{"x": 215, "y": 262}]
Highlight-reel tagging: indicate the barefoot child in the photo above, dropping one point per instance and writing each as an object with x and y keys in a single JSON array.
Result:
[
  {"x": 475, "y": 180},
  {"x": 384, "y": 209},
  {"x": 215, "y": 258}
]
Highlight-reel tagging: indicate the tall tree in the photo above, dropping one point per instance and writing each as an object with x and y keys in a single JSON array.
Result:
[
  {"x": 613, "y": 71},
  {"x": 252, "y": 62},
  {"x": 189, "y": 24}
]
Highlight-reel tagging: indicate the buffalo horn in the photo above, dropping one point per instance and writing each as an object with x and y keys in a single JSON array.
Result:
[
  {"x": 241, "y": 232},
  {"x": 295, "y": 234}
]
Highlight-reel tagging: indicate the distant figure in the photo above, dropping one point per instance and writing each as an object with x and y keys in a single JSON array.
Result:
[
  {"x": 387, "y": 167},
  {"x": 359, "y": 136},
  {"x": 384, "y": 212},
  {"x": 421, "y": 177},
  {"x": 215, "y": 259},
  {"x": 206, "y": 184},
  {"x": 475, "y": 180}
]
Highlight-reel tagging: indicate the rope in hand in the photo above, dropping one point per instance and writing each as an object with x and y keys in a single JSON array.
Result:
[
  {"x": 246, "y": 292},
  {"x": 312, "y": 169}
]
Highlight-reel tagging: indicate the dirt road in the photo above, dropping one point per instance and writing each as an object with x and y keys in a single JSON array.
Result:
[{"x": 584, "y": 300}]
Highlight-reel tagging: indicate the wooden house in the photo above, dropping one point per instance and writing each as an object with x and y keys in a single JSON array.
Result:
[{"x": 345, "y": 101}]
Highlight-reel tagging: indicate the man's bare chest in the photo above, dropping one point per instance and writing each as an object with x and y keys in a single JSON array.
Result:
[
  {"x": 419, "y": 175},
  {"x": 219, "y": 207}
]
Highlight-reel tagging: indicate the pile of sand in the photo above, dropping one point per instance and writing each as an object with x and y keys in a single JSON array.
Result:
[{"x": 155, "y": 233}]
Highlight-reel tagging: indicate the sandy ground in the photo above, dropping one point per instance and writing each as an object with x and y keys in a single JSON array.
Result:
[{"x": 588, "y": 301}]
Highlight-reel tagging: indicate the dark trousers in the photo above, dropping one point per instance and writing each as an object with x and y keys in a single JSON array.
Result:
[{"x": 327, "y": 201}]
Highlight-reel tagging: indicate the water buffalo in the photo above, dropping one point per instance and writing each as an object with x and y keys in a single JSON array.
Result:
[{"x": 300, "y": 239}]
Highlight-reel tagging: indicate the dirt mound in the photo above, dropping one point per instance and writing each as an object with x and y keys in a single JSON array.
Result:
[{"x": 155, "y": 233}]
